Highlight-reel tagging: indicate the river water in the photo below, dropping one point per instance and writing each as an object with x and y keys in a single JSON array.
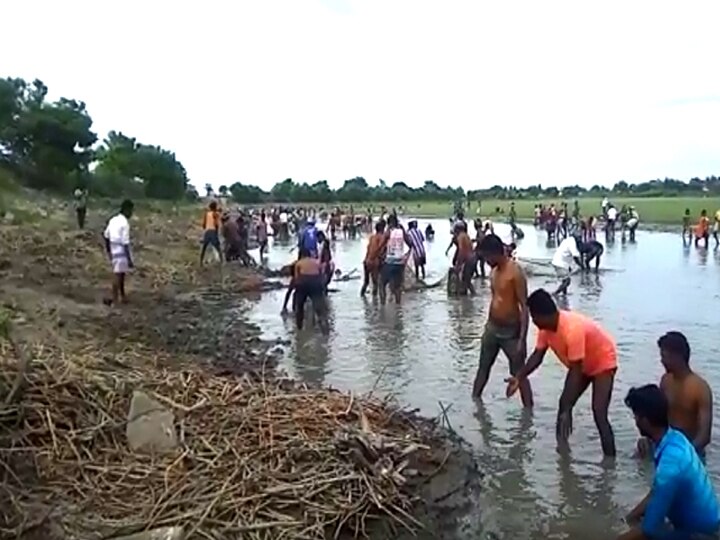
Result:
[{"x": 426, "y": 350}]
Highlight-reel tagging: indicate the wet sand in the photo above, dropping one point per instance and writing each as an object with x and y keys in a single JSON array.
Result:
[{"x": 426, "y": 351}]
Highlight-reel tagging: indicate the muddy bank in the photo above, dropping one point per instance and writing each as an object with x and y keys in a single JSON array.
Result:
[{"x": 183, "y": 323}]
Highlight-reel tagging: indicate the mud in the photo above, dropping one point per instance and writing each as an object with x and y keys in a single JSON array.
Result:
[{"x": 52, "y": 283}]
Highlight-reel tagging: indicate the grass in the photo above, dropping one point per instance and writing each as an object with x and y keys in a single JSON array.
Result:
[{"x": 660, "y": 210}]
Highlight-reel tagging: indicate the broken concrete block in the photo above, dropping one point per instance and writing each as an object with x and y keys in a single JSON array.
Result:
[
  {"x": 164, "y": 533},
  {"x": 151, "y": 426}
]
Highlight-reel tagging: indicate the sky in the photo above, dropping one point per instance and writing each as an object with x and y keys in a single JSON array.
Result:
[{"x": 466, "y": 93}]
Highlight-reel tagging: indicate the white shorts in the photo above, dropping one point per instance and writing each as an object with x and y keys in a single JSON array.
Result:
[
  {"x": 562, "y": 272},
  {"x": 120, "y": 264}
]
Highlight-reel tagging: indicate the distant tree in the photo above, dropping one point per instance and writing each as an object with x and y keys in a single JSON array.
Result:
[{"x": 124, "y": 162}]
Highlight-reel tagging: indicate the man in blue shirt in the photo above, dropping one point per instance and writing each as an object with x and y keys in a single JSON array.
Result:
[
  {"x": 309, "y": 238},
  {"x": 682, "y": 493}
]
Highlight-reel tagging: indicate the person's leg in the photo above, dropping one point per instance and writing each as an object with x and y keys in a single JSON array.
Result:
[
  {"x": 597, "y": 261},
  {"x": 205, "y": 243},
  {"x": 489, "y": 350},
  {"x": 216, "y": 245},
  {"x": 121, "y": 287},
  {"x": 115, "y": 288},
  {"x": 417, "y": 269},
  {"x": 301, "y": 295},
  {"x": 366, "y": 279},
  {"x": 397, "y": 282},
  {"x": 467, "y": 271},
  {"x": 319, "y": 304},
  {"x": 601, "y": 395},
  {"x": 375, "y": 279},
  {"x": 422, "y": 268},
  {"x": 515, "y": 363},
  {"x": 384, "y": 278},
  {"x": 290, "y": 290}
]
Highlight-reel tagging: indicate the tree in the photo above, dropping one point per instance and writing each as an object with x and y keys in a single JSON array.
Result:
[
  {"x": 126, "y": 163},
  {"x": 50, "y": 144}
]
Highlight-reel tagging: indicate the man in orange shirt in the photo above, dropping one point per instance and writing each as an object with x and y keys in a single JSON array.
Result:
[
  {"x": 211, "y": 228},
  {"x": 702, "y": 229},
  {"x": 588, "y": 352}
]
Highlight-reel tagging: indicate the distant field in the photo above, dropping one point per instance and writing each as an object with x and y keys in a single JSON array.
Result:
[{"x": 661, "y": 210}]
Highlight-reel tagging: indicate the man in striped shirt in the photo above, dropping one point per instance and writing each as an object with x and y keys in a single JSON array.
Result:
[
  {"x": 682, "y": 493},
  {"x": 418, "y": 248}
]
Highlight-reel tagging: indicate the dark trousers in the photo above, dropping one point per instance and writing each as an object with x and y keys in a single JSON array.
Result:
[{"x": 81, "y": 213}]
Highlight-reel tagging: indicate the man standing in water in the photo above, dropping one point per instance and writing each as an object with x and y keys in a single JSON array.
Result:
[
  {"x": 566, "y": 253},
  {"x": 682, "y": 504},
  {"x": 588, "y": 352},
  {"x": 393, "y": 268},
  {"x": 507, "y": 324},
  {"x": 418, "y": 249},
  {"x": 117, "y": 245},
  {"x": 689, "y": 396},
  {"x": 371, "y": 265}
]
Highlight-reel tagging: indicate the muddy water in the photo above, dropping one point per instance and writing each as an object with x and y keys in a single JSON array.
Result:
[{"x": 425, "y": 351}]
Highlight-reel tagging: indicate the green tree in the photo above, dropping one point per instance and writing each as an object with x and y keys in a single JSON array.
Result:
[
  {"x": 123, "y": 164},
  {"x": 49, "y": 143}
]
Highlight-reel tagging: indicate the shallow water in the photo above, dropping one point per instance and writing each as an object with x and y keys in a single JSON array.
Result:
[{"x": 425, "y": 351}]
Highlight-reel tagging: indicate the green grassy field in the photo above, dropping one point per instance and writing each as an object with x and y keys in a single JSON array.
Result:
[{"x": 660, "y": 210}]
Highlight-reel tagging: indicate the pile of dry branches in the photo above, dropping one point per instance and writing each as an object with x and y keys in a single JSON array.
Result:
[{"x": 255, "y": 459}]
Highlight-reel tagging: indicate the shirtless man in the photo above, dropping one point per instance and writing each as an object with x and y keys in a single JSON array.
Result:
[
  {"x": 507, "y": 324},
  {"x": 688, "y": 395},
  {"x": 464, "y": 260}
]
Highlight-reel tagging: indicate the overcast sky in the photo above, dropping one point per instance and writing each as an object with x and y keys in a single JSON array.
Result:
[{"x": 467, "y": 93}]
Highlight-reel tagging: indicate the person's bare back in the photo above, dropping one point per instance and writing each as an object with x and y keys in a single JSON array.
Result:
[{"x": 690, "y": 399}]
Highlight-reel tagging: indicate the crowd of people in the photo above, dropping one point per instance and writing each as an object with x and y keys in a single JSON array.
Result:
[{"x": 673, "y": 417}]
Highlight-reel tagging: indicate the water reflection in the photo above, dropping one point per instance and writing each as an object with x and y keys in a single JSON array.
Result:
[{"x": 311, "y": 357}]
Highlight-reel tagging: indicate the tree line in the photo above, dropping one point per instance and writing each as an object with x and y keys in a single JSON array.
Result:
[{"x": 51, "y": 145}]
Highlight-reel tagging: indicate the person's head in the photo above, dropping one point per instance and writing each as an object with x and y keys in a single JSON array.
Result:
[
  {"x": 392, "y": 221},
  {"x": 380, "y": 227},
  {"x": 687, "y": 211},
  {"x": 674, "y": 352},
  {"x": 650, "y": 408},
  {"x": 213, "y": 206},
  {"x": 493, "y": 250},
  {"x": 311, "y": 221},
  {"x": 338, "y": 273},
  {"x": 412, "y": 224},
  {"x": 543, "y": 310},
  {"x": 126, "y": 208},
  {"x": 703, "y": 213}
]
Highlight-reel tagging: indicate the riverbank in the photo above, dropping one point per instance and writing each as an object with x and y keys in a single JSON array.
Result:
[{"x": 237, "y": 449}]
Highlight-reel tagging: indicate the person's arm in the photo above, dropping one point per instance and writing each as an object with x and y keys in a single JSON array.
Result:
[
  {"x": 520, "y": 283},
  {"x": 637, "y": 513},
  {"x": 536, "y": 358},
  {"x": 453, "y": 242},
  {"x": 662, "y": 494},
  {"x": 106, "y": 238},
  {"x": 125, "y": 238},
  {"x": 705, "y": 417}
]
